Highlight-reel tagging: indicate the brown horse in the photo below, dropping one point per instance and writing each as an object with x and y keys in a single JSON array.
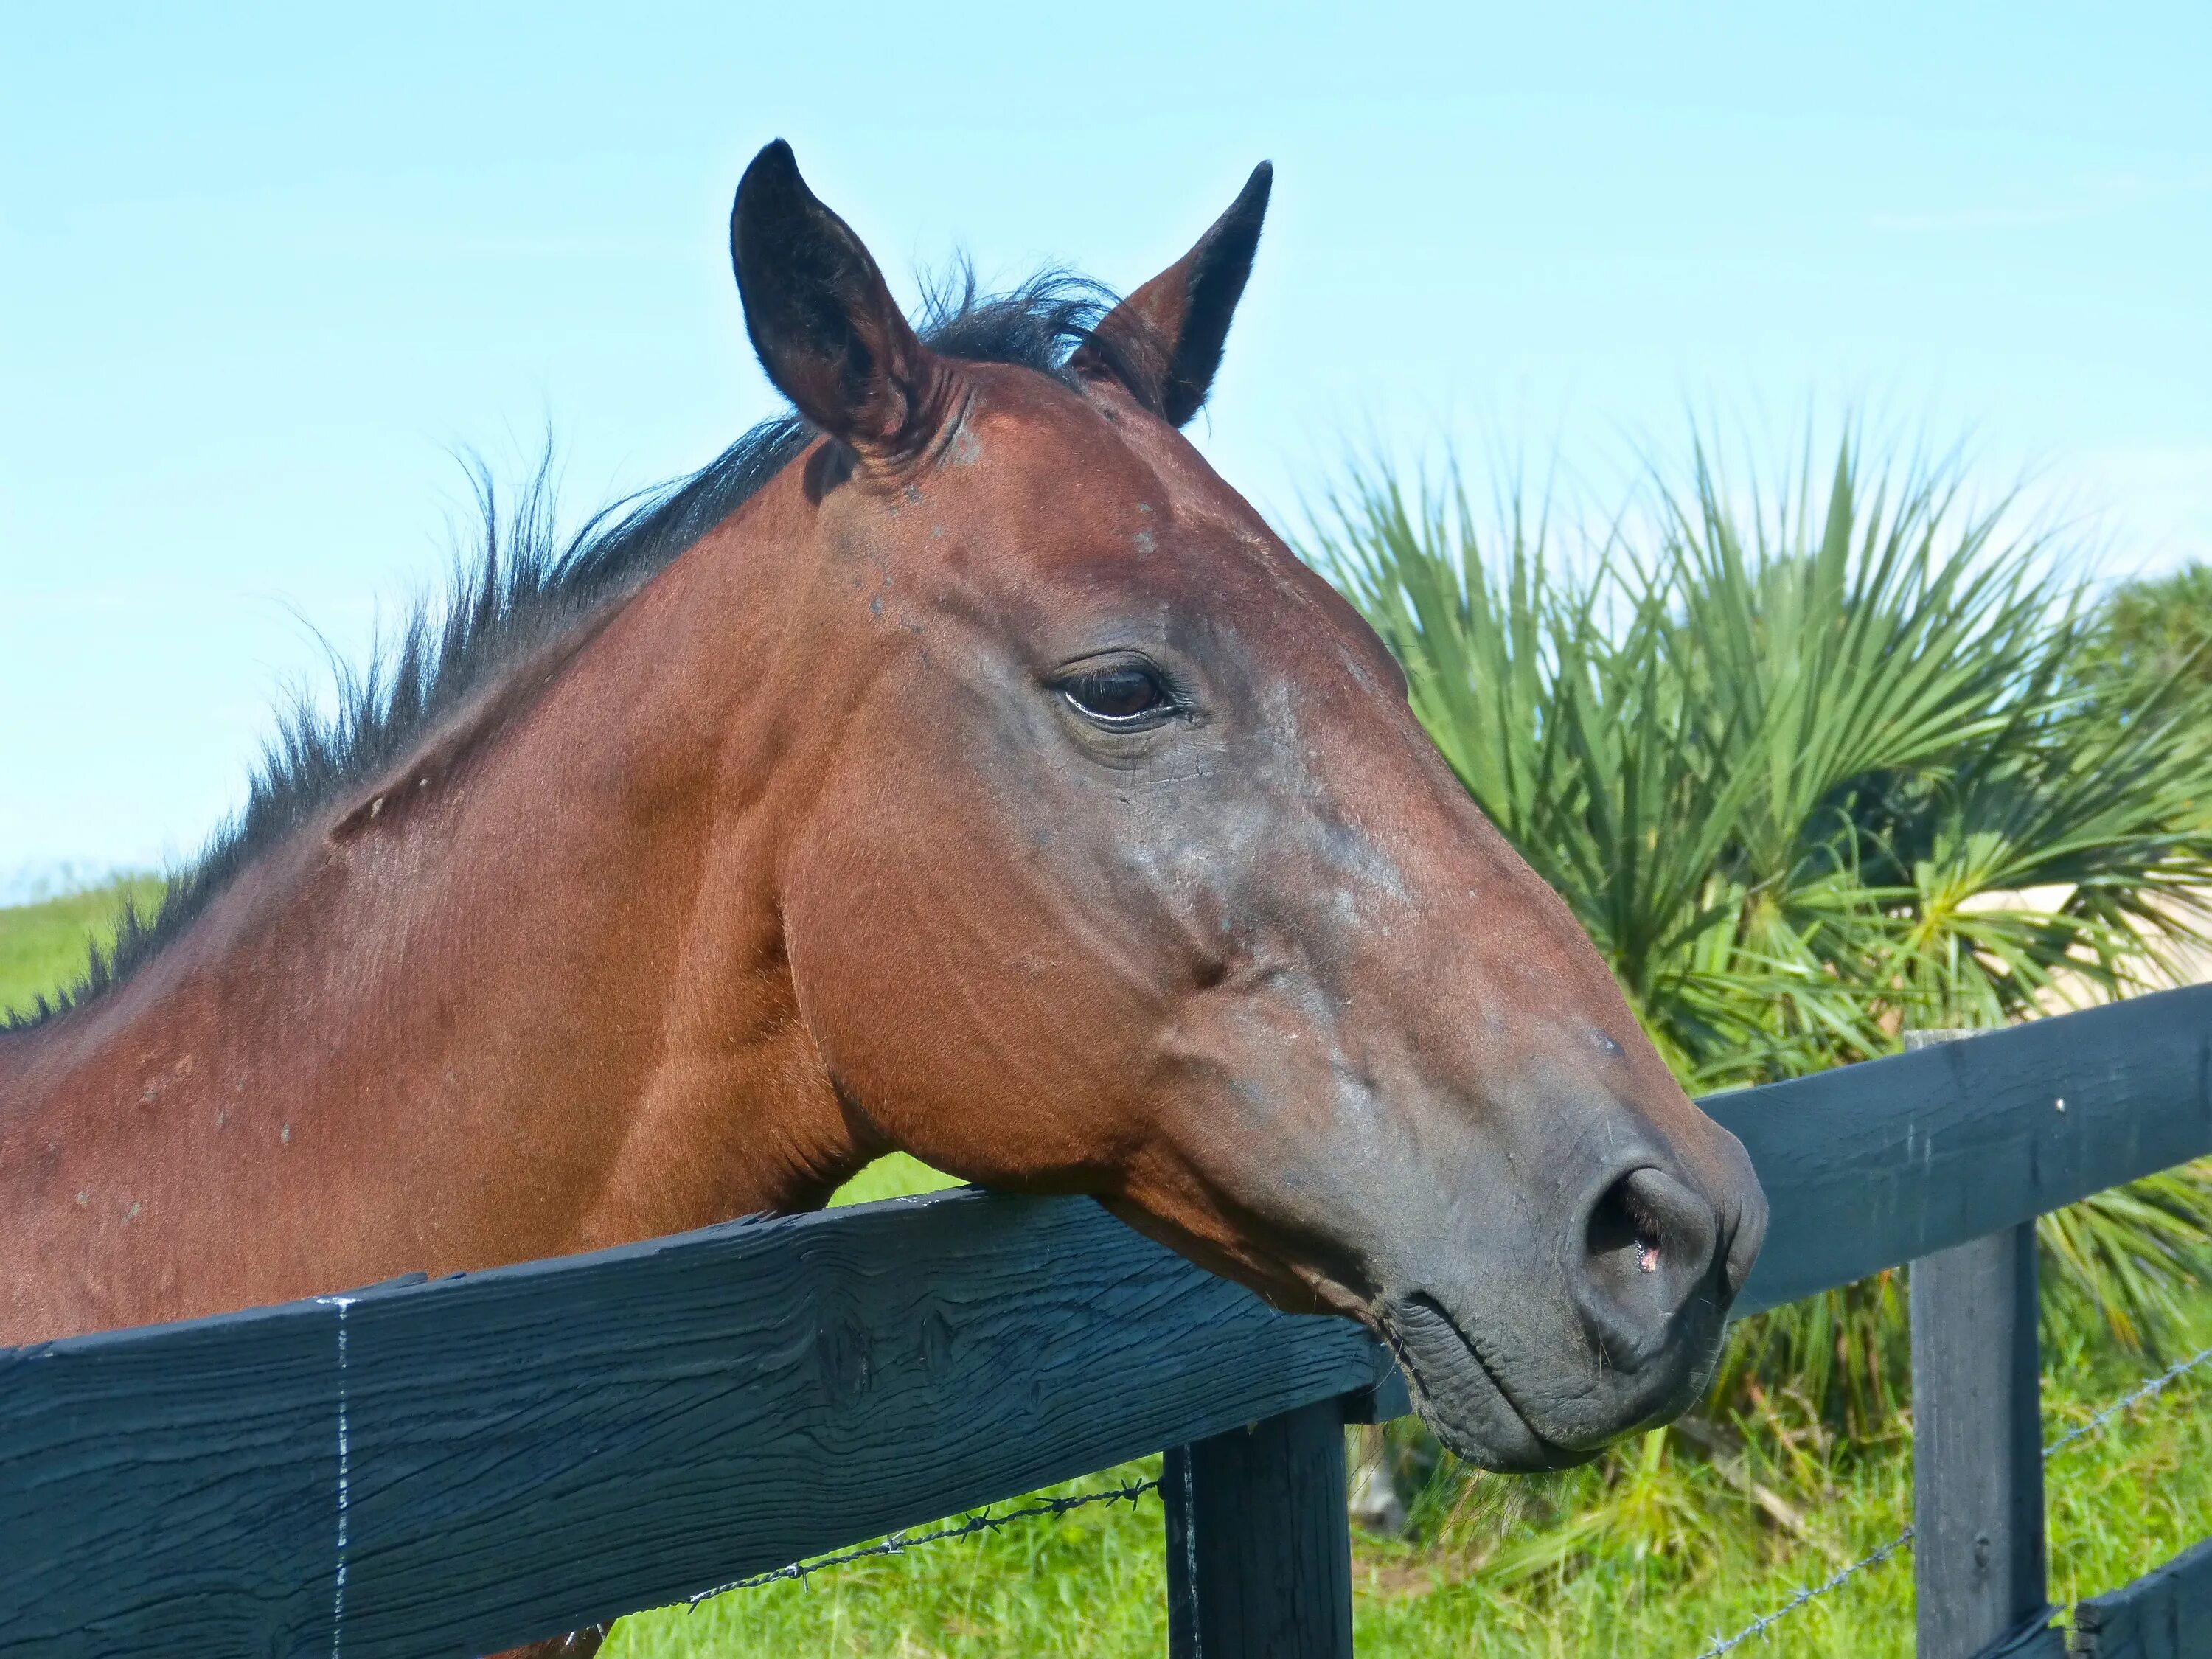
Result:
[{"x": 960, "y": 767}]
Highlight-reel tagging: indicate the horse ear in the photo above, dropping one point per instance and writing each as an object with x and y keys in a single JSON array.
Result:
[
  {"x": 1164, "y": 343},
  {"x": 822, "y": 317}
]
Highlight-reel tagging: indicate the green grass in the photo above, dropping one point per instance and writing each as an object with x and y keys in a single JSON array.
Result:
[
  {"x": 896, "y": 1176},
  {"x": 1511, "y": 1569},
  {"x": 43, "y": 946}
]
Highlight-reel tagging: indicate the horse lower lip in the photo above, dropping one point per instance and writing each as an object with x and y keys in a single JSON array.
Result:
[{"x": 1547, "y": 1450}]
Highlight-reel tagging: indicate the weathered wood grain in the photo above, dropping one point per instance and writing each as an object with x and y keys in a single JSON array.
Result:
[
  {"x": 1871, "y": 1166},
  {"x": 170, "y": 1491},
  {"x": 1259, "y": 1544},
  {"x": 536, "y": 1449},
  {"x": 2164, "y": 1614},
  {"x": 1977, "y": 1547}
]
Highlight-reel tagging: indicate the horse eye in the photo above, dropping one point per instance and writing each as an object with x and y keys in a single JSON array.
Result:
[{"x": 1122, "y": 695}]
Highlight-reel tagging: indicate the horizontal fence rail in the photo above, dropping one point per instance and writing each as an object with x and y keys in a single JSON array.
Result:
[
  {"x": 522, "y": 1452},
  {"x": 2164, "y": 1614},
  {"x": 457, "y": 1466},
  {"x": 1872, "y": 1166}
]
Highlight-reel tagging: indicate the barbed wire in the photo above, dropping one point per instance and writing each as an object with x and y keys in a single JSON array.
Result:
[
  {"x": 1757, "y": 1626},
  {"x": 899, "y": 1542},
  {"x": 2134, "y": 1396},
  {"x": 2179, "y": 1368}
]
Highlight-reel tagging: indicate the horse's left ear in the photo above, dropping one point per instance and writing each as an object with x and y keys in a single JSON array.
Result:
[{"x": 1164, "y": 343}]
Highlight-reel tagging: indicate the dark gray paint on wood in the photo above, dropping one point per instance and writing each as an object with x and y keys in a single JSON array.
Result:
[
  {"x": 1978, "y": 1554},
  {"x": 1259, "y": 1545},
  {"x": 1978, "y": 1549},
  {"x": 2164, "y": 1614},
  {"x": 1387, "y": 1401},
  {"x": 1871, "y": 1166},
  {"x": 171, "y": 1490},
  {"x": 536, "y": 1449},
  {"x": 2035, "y": 1638}
]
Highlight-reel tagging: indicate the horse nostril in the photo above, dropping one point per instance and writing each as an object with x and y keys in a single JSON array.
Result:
[
  {"x": 1619, "y": 1222},
  {"x": 1649, "y": 1241}
]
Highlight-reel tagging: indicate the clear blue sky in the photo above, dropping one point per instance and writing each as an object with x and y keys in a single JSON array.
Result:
[{"x": 262, "y": 271}]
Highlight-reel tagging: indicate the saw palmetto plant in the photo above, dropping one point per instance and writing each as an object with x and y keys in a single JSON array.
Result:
[{"x": 1812, "y": 764}]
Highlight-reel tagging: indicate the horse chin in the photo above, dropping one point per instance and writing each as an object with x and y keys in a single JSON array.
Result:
[{"x": 1461, "y": 1400}]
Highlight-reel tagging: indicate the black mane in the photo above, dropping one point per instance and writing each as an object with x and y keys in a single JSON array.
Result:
[{"x": 525, "y": 585}]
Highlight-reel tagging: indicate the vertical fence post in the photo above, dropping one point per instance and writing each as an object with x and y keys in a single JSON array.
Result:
[
  {"x": 1259, "y": 1544},
  {"x": 1977, "y": 1559}
]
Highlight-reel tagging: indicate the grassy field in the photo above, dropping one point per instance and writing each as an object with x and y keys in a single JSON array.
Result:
[
  {"x": 43, "y": 946},
  {"x": 1520, "y": 1569}
]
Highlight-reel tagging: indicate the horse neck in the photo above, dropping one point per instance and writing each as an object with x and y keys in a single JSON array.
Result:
[{"x": 538, "y": 1001}]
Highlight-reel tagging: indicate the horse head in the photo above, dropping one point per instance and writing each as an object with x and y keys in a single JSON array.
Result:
[{"x": 1129, "y": 872}]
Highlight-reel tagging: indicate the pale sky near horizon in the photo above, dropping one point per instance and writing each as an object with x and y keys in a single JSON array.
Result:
[{"x": 262, "y": 271}]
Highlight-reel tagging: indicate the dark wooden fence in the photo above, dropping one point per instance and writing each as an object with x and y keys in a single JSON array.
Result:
[{"x": 457, "y": 1466}]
